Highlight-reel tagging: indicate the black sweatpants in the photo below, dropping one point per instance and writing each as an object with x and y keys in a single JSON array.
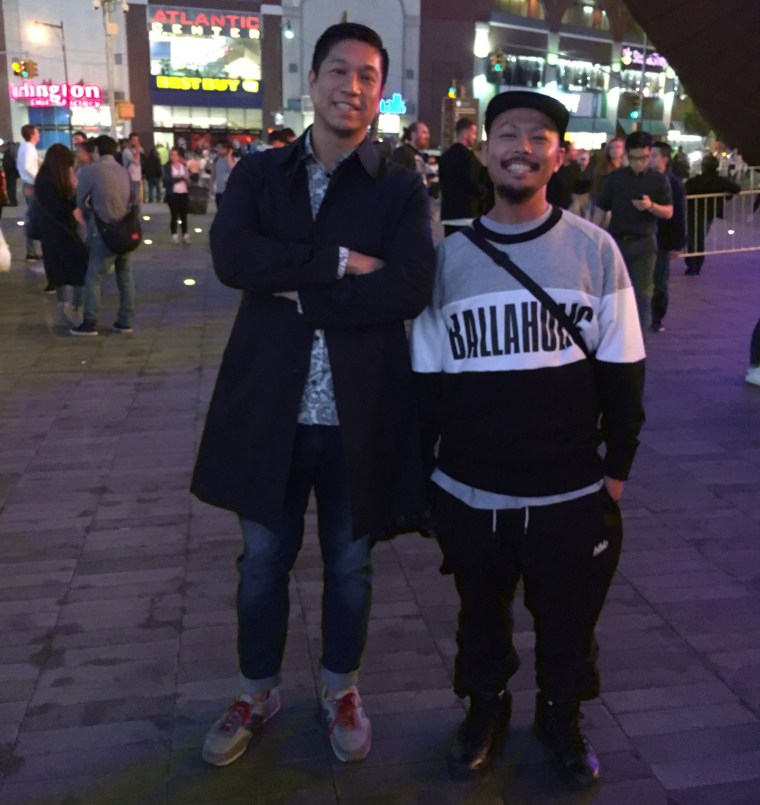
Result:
[
  {"x": 178, "y": 204},
  {"x": 566, "y": 555}
]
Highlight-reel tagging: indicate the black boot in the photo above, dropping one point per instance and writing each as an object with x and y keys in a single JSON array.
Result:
[
  {"x": 479, "y": 735},
  {"x": 557, "y": 725}
]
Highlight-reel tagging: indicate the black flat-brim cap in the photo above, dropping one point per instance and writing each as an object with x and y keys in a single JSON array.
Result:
[{"x": 522, "y": 99}]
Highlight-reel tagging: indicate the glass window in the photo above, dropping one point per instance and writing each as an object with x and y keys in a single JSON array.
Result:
[
  {"x": 586, "y": 14},
  {"x": 534, "y": 9}
]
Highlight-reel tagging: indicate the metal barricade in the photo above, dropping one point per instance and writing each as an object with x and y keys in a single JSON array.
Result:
[{"x": 723, "y": 224}]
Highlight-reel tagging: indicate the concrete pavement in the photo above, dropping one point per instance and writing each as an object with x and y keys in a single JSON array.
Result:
[{"x": 117, "y": 623}]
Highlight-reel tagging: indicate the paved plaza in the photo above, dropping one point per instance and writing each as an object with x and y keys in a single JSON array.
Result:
[{"x": 117, "y": 621}]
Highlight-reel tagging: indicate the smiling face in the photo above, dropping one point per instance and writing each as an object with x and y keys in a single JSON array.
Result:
[
  {"x": 522, "y": 153},
  {"x": 346, "y": 91}
]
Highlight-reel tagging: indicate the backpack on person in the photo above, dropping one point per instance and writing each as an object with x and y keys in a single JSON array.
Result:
[{"x": 122, "y": 236}]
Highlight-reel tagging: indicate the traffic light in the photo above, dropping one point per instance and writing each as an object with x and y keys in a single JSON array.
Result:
[
  {"x": 31, "y": 69},
  {"x": 19, "y": 67},
  {"x": 635, "y": 112},
  {"x": 453, "y": 90}
]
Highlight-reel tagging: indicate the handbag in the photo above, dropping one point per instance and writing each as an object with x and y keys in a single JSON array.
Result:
[
  {"x": 501, "y": 259},
  {"x": 122, "y": 236}
]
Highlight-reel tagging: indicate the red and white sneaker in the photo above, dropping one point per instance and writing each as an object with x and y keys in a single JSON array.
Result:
[
  {"x": 229, "y": 737},
  {"x": 348, "y": 727}
]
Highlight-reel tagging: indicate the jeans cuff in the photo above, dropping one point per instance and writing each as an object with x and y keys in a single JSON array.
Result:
[
  {"x": 338, "y": 682},
  {"x": 259, "y": 685}
]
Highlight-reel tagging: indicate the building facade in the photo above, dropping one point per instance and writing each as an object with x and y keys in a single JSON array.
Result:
[{"x": 590, "y": 54}]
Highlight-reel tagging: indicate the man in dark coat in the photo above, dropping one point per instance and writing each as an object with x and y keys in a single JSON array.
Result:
[
  {"x": 700, "y": 212},
  {"x": 464, "y": 180},
  {"x": 330, "y": 244}
]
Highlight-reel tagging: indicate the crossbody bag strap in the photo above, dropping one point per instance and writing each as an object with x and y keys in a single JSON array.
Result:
[{"x": 502, "y": 259}]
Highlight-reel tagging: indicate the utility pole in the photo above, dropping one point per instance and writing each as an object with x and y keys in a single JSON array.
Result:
[{"x": 60, "y": 27}]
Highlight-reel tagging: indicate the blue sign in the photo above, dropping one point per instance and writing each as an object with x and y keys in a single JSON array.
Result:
[{"x": 393, "y": 106}]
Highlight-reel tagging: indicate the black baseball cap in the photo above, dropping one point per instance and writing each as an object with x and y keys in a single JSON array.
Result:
[{"x": 523, "y": 99}]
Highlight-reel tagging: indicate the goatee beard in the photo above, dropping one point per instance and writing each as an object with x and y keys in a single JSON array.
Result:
[{"x": 515, "y": 195}]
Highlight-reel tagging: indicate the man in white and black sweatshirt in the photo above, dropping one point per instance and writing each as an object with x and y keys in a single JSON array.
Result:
[{"x": 535, "y": 439}]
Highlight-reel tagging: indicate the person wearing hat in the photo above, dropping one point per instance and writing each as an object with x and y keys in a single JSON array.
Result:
[{"x": 519, "y": 387}]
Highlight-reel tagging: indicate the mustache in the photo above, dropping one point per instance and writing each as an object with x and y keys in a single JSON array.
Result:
[{"x": 505, "y": 163}]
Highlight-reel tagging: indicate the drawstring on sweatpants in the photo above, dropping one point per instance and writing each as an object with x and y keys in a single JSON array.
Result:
[
  {"x": 527, "y": 520},
  {"x": 493, "y": 523}
]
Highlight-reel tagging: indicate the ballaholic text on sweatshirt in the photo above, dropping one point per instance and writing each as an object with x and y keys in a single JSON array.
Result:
[{"x": 517, "y": 406}]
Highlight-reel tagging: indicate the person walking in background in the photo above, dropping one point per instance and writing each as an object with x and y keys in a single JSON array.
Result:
[
  {"x": 221, "y": 168},
  {"x": 105, "y": 188},
  {"x": 132, "y": 157},
  {"x": 11, "y": 173},
  {"x": 671, "y": 234},
  {"x": 700, "y": 212},
  {"x": 154, "y": 174},
  {"x": 64, "y": 254},
  {"x": 331, "y": 246},
  {"x": 410, "y": 153},
  {"x": 613, "y": 157},
  {"x": 753, "y": 371},
  {"x": 176, "y": 194},
  {"x": 636, "y": 198},
  {"x": 521, "y": 376},
  {"x": 463, "y": 179},
  {"x": 28, "y": 163}
]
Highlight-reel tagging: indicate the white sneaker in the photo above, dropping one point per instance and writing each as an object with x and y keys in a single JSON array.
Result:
[
  {"x": 753, "y": 375},
  {"x": 175, "y": 238},
  {"x": 186, "y": 238},
  {"x": 349, "y": 728},
  {"x": 229, "y": 737}
]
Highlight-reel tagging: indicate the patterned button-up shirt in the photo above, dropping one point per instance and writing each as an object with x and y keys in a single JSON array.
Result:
[{"x": 318, "y": 401}]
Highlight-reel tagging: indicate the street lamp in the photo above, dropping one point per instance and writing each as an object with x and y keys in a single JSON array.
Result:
[
  {"x": 110, "y": 28},
  {"x": 59, "y": 26}
]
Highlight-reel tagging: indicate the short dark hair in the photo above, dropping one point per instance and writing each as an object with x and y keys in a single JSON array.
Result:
[
  {"x": 664, "y": 149},
  {"x": 463, "y": 124},
  {"x": 106, "y": 146},
  {"x": 27, "y": 131},
  {"x": 133, "y": 134},
  {"x": 710, "y": 164},
  {"x": 638, "y": 139},
  {"x": 342, "y": 32},
  {"x": 225, "y": 144}
]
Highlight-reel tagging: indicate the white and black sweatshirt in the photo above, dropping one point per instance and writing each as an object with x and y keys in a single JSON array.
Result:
[{"x": 519, "y": 409}]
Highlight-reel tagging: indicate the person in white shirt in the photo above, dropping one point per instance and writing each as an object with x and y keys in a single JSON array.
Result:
[
  {"x": 176, "y": 181},
  {"x": 131, "y": 159},
  {"x": 28, "y": 163}
]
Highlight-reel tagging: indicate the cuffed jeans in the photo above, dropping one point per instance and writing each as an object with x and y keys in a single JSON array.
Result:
[
  {"x": 269, "y": 554},
  {"x": 101, "y": 261},
  {"x": 566, "y": 555}
]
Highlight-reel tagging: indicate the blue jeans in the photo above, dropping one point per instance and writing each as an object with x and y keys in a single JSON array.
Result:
[
  {"x": 270, "y": 552},
  {"x": 101, "y": 261}
]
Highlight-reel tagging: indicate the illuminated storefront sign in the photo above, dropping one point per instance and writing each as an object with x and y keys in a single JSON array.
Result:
[
  {"x": 635, "y": 58},
  {"x": 47, "y": 95},
  {"x": 393, "y": 106},
  {"x": 193, "y": 91},
  {"x": 197, "y": 22},
  {"x": 204, "y": 57}
]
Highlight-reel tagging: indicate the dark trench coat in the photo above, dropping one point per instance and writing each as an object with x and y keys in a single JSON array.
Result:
[
  {"x": 264, "y": 240},
  {"x": 64, "y": 255}
]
